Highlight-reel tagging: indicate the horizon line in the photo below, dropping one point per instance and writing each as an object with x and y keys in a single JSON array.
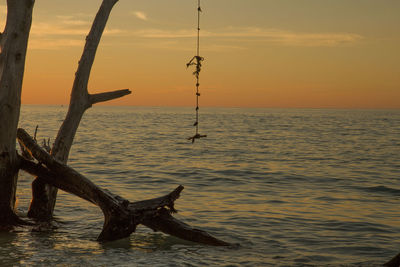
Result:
[{"x": 244, "y": 107}]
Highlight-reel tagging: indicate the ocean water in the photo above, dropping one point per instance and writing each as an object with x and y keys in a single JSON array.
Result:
[{"x": 294, "y": 187}]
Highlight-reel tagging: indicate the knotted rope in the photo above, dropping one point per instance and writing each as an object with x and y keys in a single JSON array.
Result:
[{"x": 196, "y": 61}]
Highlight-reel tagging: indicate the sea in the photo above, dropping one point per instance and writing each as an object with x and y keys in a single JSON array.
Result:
[{"x": 292, "y": 187}]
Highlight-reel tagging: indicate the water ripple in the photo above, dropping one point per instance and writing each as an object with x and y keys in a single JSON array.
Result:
[{"x": 295, "y": 187}]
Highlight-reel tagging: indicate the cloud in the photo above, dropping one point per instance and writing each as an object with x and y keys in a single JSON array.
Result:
[
  {"x": 140, "y": 15},
  {"x": 291, "y": 38},
  {"x": 53, "y": 29},
  {"x": 163, "y": 34},
  {"x": 276, "y": 36},
  {"x": 64, "y": 31},
  {"x": 54, "y": 44},
  {"x": 73, "y": 21},
  {"x": 70, "y": 31}
]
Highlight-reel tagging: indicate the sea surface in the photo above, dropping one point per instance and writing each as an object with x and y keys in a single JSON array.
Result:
[{"x": 294, "y": 187}]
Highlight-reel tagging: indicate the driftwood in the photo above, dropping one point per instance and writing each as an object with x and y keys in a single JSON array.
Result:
[
  {"x": 120, "y": 215},
  {"x": 44, "y": 195}
]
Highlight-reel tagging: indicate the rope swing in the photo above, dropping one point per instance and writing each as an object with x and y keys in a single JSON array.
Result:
[{"x": 196, "y": 61}]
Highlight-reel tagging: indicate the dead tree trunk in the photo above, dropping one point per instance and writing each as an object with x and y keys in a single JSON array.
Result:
[
  {"x": 13, "y": 47},
  {"x": 120, "y": 215},
  {"x": 44, "y": 195}
]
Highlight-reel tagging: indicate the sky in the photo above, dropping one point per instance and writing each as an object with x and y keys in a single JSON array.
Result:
[{"x": 258, "y": 53}]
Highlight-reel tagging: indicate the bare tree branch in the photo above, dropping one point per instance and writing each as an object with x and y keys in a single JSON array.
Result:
[
  {"x": 106, "y": 96},
  {"x": 44, "y": 195}
]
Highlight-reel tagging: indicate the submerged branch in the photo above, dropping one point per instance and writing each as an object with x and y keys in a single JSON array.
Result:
[
  {"x": 163, "y": 221},
  {"x": 120, "y": 215}
]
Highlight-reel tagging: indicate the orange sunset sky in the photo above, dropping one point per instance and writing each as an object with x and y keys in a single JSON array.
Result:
[{"x": 258, "y": 53}]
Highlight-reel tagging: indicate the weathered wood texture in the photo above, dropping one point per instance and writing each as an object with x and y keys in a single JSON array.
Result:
[
  {"x": 120, "y": 215},
  {"x": 395, "y": 262},
  {"x": 45, "y": 195},
  {"x": 13, "y": 47}
]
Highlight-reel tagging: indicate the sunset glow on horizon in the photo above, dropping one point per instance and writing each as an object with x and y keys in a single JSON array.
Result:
[{"x": 258, "y": 53}]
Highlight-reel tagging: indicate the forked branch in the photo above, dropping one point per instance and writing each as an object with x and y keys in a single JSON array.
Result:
[{"x": 44, "y": 195}]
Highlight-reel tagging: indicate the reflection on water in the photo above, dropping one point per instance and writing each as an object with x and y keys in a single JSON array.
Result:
[{"x": 293, "y": 187}]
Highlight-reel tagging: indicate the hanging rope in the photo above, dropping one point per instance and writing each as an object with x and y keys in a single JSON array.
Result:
[{"x": 196, "y": 61}]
